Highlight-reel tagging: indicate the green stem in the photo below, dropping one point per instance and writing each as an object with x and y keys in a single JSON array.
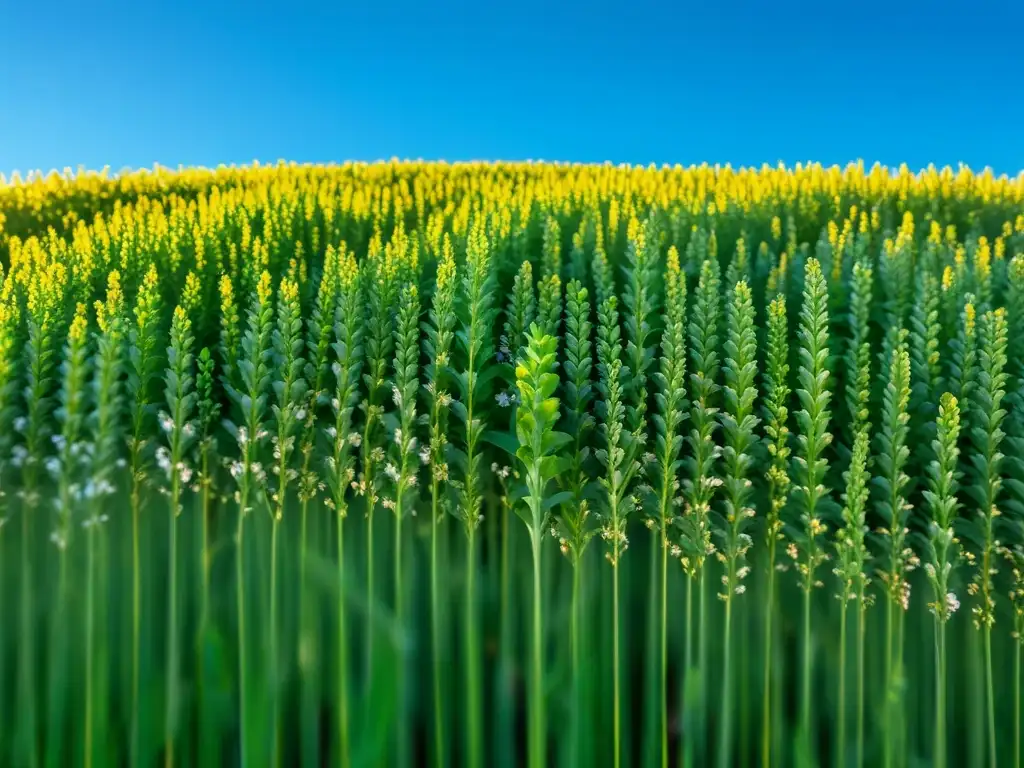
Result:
[
  {"x": 435, "y": 634},
  {"x": 702, "y": 662},
  {"x": 939, "y": 757},
  {"x": 171, "y": 702},
  {"x": 841, "y": 725},
  {"x": 1016, "y": 703},
  {"x": 861, "y": 631},
  {"x": 89, "y": 642},
  {"x": 369, "y": 589},
  {"x": 766, "y": 705},
  {"x": 616, "y": 714},
  {"x": 686, "y": 744},
  {"x": 344, "y": 758},
  {"x": 724, "y": 749},
  {"x": 808, "y": 655},
  {"x": 58, "y": 664},
  {"x": 990, "y": 698},
  {"x": 208, "y": 732},
  {"x": 505, "y": 742},
  {"x": 574, "y": 639},
  {"x": 275, "y": 682},
  {"x": 537, "y": 737},
  {"x": 472, "y": 656},
  {"x": 307, "y": 636},
  {"x": 243, "y": 698},
  {"x": 887, "y": 756},
  {"x": 401, "y": 745},
  {"x": 664, "y": 650},
  {"x": 136, "y": 502}
]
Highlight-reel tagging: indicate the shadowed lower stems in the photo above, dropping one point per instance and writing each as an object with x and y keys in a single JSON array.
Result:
[
  {"x": 841, "y": 717},
  {"x": 473, "y": 741},
  {"x": 537, "y": 724},
  {"x": 766, "y": 703},
  {"x": 435, "y": 634},
  {"x": 617, "y": 703},
  {"x": 344, "y": 749},
  {"x": 664, "y": 650},
  {"x": 939, "y": 751}
]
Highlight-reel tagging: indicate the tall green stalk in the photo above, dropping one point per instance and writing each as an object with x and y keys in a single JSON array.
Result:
[
  {"x": 180, "y": 399},
  {"x": 776, "y": 418},
  {"x": 852, "y": 569},
  {"x": 380, "y": 294},
  {"x": 143, "y": 362},
  {"x": 250, "y": 399},
  {"x": 987, "y": 436},
  {"x": 618, "y": 458},
  {"x": 943, "y": 480},
  {"x": 340, "y": 465},
  {"x": 738, "y": 424},
  {"x": 67, "y": 468},
  {"x": 437, "y": 348},
  {"x": 671, "y": 400},
  {"x": 290, "y": 390},
  {"x": 477, "y": 317},
  {"x": 700, "y": 487},
  {"x": 401, "y": 469},
  {"x": 539, "y": 444},
  {"x": 812, "y": 466}
]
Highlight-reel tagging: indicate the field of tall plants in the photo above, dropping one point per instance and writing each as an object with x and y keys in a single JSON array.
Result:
[{"x": 405, "y": 464}]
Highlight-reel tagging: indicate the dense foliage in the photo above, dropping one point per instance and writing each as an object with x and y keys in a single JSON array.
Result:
[{"x": 303, "y": 465}]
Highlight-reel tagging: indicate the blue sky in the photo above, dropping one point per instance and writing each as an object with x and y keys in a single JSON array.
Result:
[{"x": 130, "y": 84}]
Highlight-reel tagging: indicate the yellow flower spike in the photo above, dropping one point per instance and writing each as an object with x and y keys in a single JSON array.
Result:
[
  {"x": 191, "y": 295},
  {"x": 876, "y": 220},
  {"x": 672, "y": 260},
  {"x": 1018, "y": 224},
  {"x": 947, "y": 278},
  {"x": 181, "y": 317},
  {"x": 970, "y": 318},
  {"x": 263, "y": 289},
  {"x": 951, "y": 235},
  {"x": 776, "y": 227},
  {"x": 983, "y": 259},
  {"x": 108, "y": 312},
  {"x": 79, "y": 325},
  {"x": 999, "y": 249}
]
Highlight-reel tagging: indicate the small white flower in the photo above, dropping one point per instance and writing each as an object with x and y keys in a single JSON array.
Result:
[
  {"x": 300, "y": 415},
  {"x": 163, "y": 459},
  {"x": 425, "y": 455},
  {"x": 952, "y": 604},
  {"x": 391, "y": 471},
  {"x": 52, "y": 465},
  {"x": 355, "y": 439},
  {"x": 237, "y": 468},
  {"x": 21, "y": 424},
  {"x": 503, "y": 399},
  {"x": 166, "y": 422}
]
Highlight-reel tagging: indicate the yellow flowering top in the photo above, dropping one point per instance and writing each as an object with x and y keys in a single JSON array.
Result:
[{"x": 110, "y": 311}]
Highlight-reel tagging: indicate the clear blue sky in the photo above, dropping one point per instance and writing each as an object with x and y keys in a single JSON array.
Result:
[{"x": 130, "y": 84}]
